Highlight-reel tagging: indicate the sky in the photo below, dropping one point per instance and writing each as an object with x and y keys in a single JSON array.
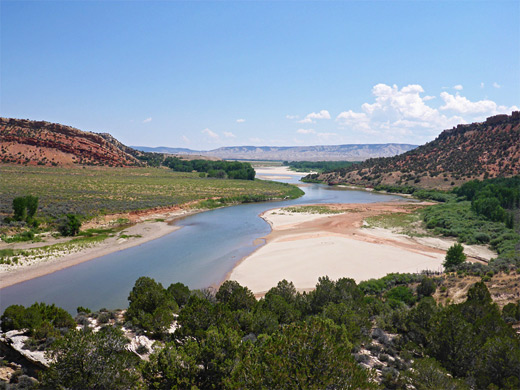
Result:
[{"x": 202, "y": 75}]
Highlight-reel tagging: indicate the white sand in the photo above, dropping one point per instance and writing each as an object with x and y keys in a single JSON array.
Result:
[
  {"x": 281, "y": 219},
  {"x": 277, "y": 173},
  {"x": 303, "y": 261},
  {"x": 303, "y": 247}
]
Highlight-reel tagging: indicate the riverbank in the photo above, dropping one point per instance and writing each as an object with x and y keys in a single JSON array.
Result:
[
  {"x": 146, "y": 226},
  {"x": 305, "y": 246}
]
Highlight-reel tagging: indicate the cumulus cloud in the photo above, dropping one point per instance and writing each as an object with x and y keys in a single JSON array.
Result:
[
  {"x": 403, "y": 115},
  {"x": 210, "y": 133},
  {"x": 292, "y": 116},
  {"x": 241, "y": 120},
  {"x": 310, "y": 118},
  {"x": 462, "y": 105},
  {"x": 305, "y": 131},
  {"x": 229, "y": 134},
  {"x": 458, "y": 87},
  {"x": 496, "y": 85},
  {"x": 147, "y": 120}
]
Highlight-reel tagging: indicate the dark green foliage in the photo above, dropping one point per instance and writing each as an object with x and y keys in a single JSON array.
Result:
[
  {"x": 20, "y": 208},
  {"x": 428, "y": 374},
  {"x": 402, "y": 294},
  {"x": 25, "y": 208},
  {"x": 427, "y": 287},
  {"x": 379, "y": 286},
  {"x": 35, "y": 317},
  {"x": 150, "y": 307},
  {"x": 32, "y": 206},
  {"x": 455, "y": 256},
  {"x": 87, "y": 360},
  {"x": 81, "y": 309},
  {"x": 498, "y": 364},
  {"x": 310, "y": 355},
  {"x": 320, "y": 166},
  {"x": 489, "y": 208},
  {"x": 180, "y": 293},
  {"x": 511, "y": 312},
  {"x": 235, "y": 296},
  {"x": 218, "y": 169},
  {"x": 69, "y": 225},
  {"x": 203, "y": 363}
]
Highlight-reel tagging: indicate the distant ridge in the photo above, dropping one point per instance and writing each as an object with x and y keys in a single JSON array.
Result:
[
  {"x": 474, "y": 151},
  {"x": 24, "y": 141},
  {"x": 354, "y": 152}
]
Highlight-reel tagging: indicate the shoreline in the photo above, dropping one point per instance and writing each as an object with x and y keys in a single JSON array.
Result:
[
  {"x": 143, "y": 230},
  {"x": 302, "y": 247}
]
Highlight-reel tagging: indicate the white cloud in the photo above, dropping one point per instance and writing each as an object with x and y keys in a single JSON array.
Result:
[
  {"x": 403, "y": 115},
  {"x": 241, "y": 120},
  {"x": 482, "y": 85},
  {"x": 462, "y": 105},
  {"x": 147, "y": 120},
  {"x": 185, "y": 139},
  {"x": 292, "y": 116},
  {"x": 309, "y": 118},
  {"x": 496, "y": 85},
  {"x": 229, "y": 134},
  {"x": 305, "y": 131},
  {"x": 458, "y": 87},
  {"x": 210, "y": 133}
]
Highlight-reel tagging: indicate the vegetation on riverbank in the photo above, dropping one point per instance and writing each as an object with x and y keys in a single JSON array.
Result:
[
  {"x": 318, "y": 166},
  {"x": 388, "y": 333},
  {"x": 92, "y": 191},
  {"x": 68, "y": 196}
]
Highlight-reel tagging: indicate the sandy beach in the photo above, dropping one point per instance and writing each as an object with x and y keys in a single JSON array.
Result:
[
  {"x": 147, "y": 225},
  {"x": 305, "y": 246}
]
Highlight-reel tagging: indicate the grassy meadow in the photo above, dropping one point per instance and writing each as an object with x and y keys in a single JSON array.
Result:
[{"x": 92, "y": 191}]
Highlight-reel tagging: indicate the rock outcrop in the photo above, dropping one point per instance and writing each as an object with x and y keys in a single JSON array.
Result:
[{"x": 30, "y": 142}]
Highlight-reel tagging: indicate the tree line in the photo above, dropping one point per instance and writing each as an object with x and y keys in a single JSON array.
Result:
[{"x": 218, "y": 169}]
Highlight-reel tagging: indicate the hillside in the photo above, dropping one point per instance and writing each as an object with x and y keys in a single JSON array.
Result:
[
  {"x": 474, "y": 151},
  {"x": 359, "y": 152},
  {"x": 30, "y": 142}
]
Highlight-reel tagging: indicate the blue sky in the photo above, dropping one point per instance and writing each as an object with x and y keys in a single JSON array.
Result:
[{"x": 208, "y": 74}]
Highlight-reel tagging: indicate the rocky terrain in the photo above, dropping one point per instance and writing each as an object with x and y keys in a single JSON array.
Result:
[
  {"x": 358, "y": 152},
  {"x": 473, "y": 151},
  {"x": 30, "y": 142}
]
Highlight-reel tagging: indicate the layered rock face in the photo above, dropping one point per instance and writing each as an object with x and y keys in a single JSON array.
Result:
[{"x": 29, "y": 142}]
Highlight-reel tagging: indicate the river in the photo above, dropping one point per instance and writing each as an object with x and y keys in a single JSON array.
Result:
[{"x": 200, "y": 254}]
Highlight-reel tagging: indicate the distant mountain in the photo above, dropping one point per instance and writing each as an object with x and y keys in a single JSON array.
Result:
[
  {"x": 359, "y": 152},
  {"x": 466, "y": 152},
  {"x": 166, "y": 150},
  {"x": 24, "y": 141}
]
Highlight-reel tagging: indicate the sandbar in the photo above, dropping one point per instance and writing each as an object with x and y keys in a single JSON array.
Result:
[{"x": 303, "y": 247}]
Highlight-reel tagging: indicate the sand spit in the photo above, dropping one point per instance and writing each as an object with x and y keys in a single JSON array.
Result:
[{"x": 305, "y": 246}]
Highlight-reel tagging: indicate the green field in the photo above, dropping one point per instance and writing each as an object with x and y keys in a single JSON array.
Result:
[{"x": 92, "y": 191}]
